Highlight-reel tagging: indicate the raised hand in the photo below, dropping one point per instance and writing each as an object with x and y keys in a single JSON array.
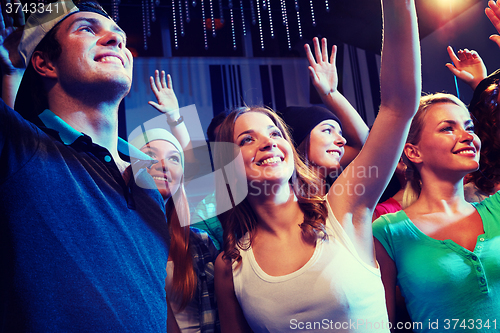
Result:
[
  {"x": 467, "y": 66},
  {"x": 493, "y": 13},
  {"x": 167, "y": 101},
  {"x": 11, "y": 63},
  {"x": 322, "y": 70},
  {"x": 161, "y": 85},
  {"x": 10, "y": 35}
]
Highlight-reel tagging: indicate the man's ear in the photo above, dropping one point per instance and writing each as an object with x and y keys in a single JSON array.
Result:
[
  {"x": 42, "y": 65},
  {"x": 412, "y": 153}
]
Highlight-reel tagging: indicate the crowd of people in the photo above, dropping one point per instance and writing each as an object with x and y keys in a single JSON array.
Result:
[{"x": 96, "y": 232}]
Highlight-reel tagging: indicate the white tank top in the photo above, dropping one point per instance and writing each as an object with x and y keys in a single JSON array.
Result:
[{"x": 334, "y": 291}]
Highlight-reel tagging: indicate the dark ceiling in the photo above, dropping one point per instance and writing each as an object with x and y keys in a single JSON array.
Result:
[{"x": 356, "y": 23}]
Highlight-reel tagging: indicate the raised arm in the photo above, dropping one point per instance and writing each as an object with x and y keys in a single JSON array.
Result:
[
  {"x": 10, "y": 61},
  {"x": 368, "y": 175},
  {"x": 467, "y": 66},
  {"x": 161, "y": 85},
  {"x": 493, "y": 13},
  {"x": 323, "y": 72}
]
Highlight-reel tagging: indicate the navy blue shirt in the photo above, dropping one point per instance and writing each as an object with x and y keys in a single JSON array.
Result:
[{"x": 80, "y": 250}]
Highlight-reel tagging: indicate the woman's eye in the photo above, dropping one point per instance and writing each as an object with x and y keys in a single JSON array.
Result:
[
  {"x": 470, "y": 129},
  {"x": 175, "y": 159},
  {"x": 327, "y": 131},
  {"x": 151, "y": 154},
  {"x": 446, "y": 129},
  {"x": 276, "y": 134},
  {"x": 245, "y": 140}
]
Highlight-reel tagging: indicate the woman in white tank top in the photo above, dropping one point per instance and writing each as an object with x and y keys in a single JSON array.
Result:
[{"x": 295, "y": 260}]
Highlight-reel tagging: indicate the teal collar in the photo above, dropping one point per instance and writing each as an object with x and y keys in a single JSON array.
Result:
[{"x": 69, "y": 135}]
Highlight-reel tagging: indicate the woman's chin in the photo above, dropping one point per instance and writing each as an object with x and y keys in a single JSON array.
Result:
[{"x": 165, "y": 193}]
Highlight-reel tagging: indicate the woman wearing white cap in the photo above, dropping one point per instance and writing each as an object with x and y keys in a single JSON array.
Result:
[{"x": 189, "y": 283}]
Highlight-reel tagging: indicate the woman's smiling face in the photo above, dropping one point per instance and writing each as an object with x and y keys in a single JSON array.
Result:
[
  {"x": 267, "y": 155},
  {"x": 167, "y": 173},
  {"x": 326, "y": 146},
  {"x": 448, "y": 141}
]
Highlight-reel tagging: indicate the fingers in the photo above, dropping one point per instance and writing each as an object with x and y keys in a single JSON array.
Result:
[
  {"x": 333, "y": 57},
  {"x": 313, "y": 74},
  {"x": 153, "y": 85},
  {"x": 162, "y": 80},
  {"x": 461, "y": 74},
  {"x": 467, "y": 54},
  {"x": 169, "y": 81},
  {"x": 321, "y": 52},
  {"x": 155, "y": 105},
  {"x": 324, "y": 51},
  {"x": 309, "y": 55},
  {"x": 452, "y": 55},
  {"x": 462, "y": 55},
  {"x": 317, "y": 50},
  {"x": 496, "y": 39},
  {"x": 157, "y": 79},
  {"x": 453, "y": 69},
  {"x": 493, "y": 13}
]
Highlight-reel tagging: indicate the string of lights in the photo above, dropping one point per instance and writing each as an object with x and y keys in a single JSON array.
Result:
[{"x": 181, "y": 15}]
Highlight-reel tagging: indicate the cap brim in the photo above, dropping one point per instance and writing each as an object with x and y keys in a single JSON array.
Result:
[{"x": 25, "y": 102}]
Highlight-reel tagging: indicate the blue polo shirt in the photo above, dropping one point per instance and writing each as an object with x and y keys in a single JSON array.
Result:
[{"x": 80, "y": 250}]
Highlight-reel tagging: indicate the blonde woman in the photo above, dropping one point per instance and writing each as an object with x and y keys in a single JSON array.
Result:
[{"x": 441, "y": 250}]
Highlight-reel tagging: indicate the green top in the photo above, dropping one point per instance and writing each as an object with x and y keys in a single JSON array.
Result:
[
  {"x": 205, "y": 218},
  {"x": 447, "y": 287}
]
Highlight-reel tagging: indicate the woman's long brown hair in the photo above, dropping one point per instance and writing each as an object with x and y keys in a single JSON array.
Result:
[
  {"x": 184, "y": 280},
  {"x": 242, "y": 219}
]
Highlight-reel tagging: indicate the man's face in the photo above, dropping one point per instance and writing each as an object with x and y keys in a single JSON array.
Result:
[{"x": 93, "y": 52}]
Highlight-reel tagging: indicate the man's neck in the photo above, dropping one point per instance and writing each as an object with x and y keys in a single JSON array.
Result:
[{"x": 97, "y": 120}]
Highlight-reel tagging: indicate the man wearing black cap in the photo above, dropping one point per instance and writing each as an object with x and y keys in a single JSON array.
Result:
[{"x": 83, "y": 241}]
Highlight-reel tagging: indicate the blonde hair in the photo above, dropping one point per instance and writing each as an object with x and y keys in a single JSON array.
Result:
[{"x": 414, "y": 180}]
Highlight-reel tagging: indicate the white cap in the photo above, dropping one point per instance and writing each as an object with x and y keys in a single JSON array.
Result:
[{"x": 40, "y": 23}]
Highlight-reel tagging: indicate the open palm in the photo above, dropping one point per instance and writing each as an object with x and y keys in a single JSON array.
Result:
[
  {"x": 164, "y": 92},
  {"x": 322, "y": 70}
]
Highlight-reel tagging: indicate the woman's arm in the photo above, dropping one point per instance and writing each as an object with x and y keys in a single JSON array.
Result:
[
  {"x": 324, "y": 75},
  {"x": 356, "y": 192},
  {"x": 167, "y": 103},
  {"x": 231, "y": 315}
]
